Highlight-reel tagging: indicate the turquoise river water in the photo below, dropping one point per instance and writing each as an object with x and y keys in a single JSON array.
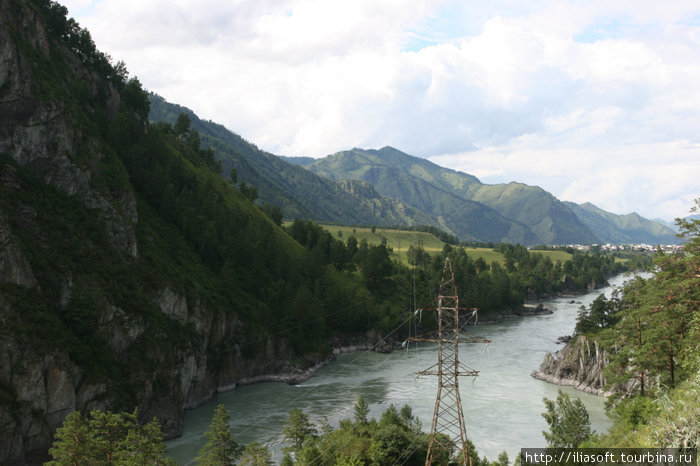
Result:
[{"x": 502, "y": 406}]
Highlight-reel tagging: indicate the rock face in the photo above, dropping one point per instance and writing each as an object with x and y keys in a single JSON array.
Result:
[
  {"x": 14, "y": 266},
  {"x": 580, "y": 365},
  {"x": 43, "y": 134}
]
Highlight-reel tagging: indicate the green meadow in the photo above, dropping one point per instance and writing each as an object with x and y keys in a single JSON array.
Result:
[{"x": 400, "y": 240}]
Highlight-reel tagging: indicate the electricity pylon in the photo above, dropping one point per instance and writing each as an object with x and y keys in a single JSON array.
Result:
[{"x": 448, "y": 429}]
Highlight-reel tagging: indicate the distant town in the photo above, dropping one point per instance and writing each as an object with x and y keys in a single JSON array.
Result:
[{"x": 667, "y": 248}]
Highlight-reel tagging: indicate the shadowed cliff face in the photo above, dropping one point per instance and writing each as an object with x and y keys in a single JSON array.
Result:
[{"x": 41, "y": 131}]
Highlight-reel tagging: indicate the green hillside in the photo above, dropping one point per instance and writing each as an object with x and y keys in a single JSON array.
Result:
[
  {"x": 420, "y": 183},
  {"x": 512, "y": 212},
  {"x": 547, "y": 217}
]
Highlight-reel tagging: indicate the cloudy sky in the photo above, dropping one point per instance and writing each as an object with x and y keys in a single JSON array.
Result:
[{"x": 592, "y": 100}]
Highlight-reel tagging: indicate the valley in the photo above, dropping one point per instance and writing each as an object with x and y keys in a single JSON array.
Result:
[{"x": 152, "y": 261}]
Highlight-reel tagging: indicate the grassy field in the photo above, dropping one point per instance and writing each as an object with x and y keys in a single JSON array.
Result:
[
  {"x": 561, "y": 256},
  {"x": 400, "y": 240}
]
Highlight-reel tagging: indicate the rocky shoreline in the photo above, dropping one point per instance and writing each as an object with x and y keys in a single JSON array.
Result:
[
  {"x": 296, "y": 373},
  {"x": 580, "y": 364}
]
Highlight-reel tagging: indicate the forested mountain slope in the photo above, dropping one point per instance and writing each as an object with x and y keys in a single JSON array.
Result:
[{"x": 428, "y": 187}]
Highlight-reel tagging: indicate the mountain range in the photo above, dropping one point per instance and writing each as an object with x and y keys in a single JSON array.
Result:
[{"x": 387, "y": 187}]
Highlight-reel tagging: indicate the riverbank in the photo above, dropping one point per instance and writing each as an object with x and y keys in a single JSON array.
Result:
[
  {"x": 579, "y": 365},
  {"x": 294, "y": 373}
]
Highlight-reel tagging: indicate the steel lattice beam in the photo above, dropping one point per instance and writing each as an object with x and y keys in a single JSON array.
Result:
[{"x": 448, "y": 428}]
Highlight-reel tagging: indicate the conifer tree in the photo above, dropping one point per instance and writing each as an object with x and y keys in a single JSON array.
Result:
[
  {"x": 361, "y": 410},
  {"x": 72, "y": 441},
  {"x": 108, "y": 438},
  {"x": 221, "y": 449}
]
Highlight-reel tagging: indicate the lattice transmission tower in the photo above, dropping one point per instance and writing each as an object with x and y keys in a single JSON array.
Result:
[{"x": 448, "y": 427}]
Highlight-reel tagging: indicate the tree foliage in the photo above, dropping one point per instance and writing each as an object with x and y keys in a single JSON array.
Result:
[
  {"x": 656, "y": 341},
  {"x": 602, "y": 313},
  {"x": 396, "y": 438},
  {"x": 221, "y": 449},
  {"x": 108, "y": 439},
  {"x": 256, "y": 454},
  {"x": 569, "y": 424}
]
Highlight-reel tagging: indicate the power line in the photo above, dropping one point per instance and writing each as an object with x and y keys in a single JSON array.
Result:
[{"x": 448, "y": 426}]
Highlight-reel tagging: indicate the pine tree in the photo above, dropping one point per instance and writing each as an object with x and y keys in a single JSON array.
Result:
[
  {"x": 72, "y": 441},
  {"x": 108, "y": 438},
  {"x": 221, "y": 449},
  {"x": 361, "y": 411},
  {"x": 146, "y": 445}
]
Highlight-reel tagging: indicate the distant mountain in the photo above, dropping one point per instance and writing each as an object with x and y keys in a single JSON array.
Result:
[
  {"x": 536, "y": 216},
  {"x": 666, "y": 223},
  {"x": 617, "y": 229},
  {"x": 428, "y": 187},
  {"x": 524, "y": 214}
]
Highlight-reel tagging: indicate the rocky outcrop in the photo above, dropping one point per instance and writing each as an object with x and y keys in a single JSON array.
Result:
[
  {"x": 580, "y": 365},
  {"x": 46, "y": 389}
]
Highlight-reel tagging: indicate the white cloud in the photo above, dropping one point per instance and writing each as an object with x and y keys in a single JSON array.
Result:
[{"x": 540, "y": 92}]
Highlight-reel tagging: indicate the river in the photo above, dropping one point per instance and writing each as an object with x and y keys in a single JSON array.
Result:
[{"x": 502, "y": 406}]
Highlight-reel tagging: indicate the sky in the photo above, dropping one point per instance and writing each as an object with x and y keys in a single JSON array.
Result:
[{"x": 594, "y": 101}]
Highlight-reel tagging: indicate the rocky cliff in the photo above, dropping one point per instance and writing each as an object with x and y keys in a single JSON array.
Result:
[{"x": 579, "y": 364}]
